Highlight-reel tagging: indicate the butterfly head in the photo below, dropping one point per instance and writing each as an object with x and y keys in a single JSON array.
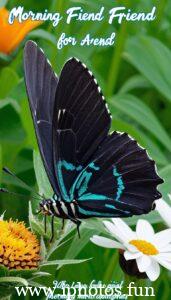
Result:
[{"x": 45, "y": 206}]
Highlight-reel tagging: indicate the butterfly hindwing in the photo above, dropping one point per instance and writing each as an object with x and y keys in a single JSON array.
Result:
[
  {"x": 41, "y": 84},
  {"x": 125, "y": 174}
]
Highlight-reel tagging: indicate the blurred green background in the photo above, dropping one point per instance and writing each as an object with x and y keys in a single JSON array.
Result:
[{"x": 135, "y": 76}]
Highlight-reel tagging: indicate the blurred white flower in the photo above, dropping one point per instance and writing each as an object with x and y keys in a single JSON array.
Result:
[
  {"x": 149, "y": 249},
  {"x": 164, "y": 210}
]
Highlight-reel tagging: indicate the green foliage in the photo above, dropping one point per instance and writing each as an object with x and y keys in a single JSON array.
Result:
[
  {"x": 153, "y": 60},
  {"x": 41, "y": 176}
]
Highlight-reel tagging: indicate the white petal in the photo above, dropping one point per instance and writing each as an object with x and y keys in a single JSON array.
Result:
[
  {"x": 131, "y": 248},
  {"x": 126, "y": 231},
  {"x": 144, "y": 230},
  {"x": 105, "y": 242},
  {"x": 143, "y": 263},
  {"x": 165, "y": 256},
  {"x": 114, "y": 231},
  {"x": 162, "y": 238},
  {"x": 165, "y": 248},
  {"x": 153, "y": 271},
  {"x": 129, "y": 255},
  {"x": 164, "y": 210},
  {"x": 166, "y": 264}
]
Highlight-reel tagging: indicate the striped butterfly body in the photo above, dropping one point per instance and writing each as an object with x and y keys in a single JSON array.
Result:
[{"x": 93, "y": 173}]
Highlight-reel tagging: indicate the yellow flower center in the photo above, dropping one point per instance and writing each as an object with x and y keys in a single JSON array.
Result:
[
  {"x": 144, "y": 247},
  {"x": 19, "y": 248}
]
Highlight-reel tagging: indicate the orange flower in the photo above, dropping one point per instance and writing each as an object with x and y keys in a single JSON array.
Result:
[
  {"x": 19, "y": 247},
  {"x": 12, "y": 35}
]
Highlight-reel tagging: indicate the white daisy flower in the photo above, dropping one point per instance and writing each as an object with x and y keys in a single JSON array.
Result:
[
  {"x": 164, "y": 210},
  {"x": 149, "y": 249}
]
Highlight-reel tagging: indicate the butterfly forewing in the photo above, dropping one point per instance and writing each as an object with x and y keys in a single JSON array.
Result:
[
  {"x": 41, "y": 84},
  {"x": 81, "y": 122},
  {"x": 83, "y": 109}
]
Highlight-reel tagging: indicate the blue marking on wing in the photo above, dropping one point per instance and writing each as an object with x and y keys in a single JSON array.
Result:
[
  {"x": 115, "y": 208},
  {"x": 67, "y": 166},
  {"x": 92, "y": 166},
  {"x": 82, "y": 182},
  {"x": 94, "y": 213},
  {"x": 90, "y": 196},
  {"x": 120, "y": 184}
]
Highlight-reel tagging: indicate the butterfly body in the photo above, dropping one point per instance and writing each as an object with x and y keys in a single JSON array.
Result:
[
  {"x": 58, "y": 208},
  {"x": 93, "y": 173}
]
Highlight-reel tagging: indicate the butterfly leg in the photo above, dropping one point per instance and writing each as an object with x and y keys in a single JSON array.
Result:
[
  {"x": 78, "y": 223},
  {"x": 45, "y": 223},
  {"x": 78, "y": 228},
  {"x": 52, "y": 229},
  {"x": 63, "y": 223}
]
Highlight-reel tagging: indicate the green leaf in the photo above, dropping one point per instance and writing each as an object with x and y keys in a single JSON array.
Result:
[
  {"x": 9, "y": 280},
  {"x": 42, "y": 34},
  {"x": 135, "y": 82},
  {"x": 165, "y": 188},
  {"x": 27, "y": 123},
  {"x": 11, "y": 102},
  {"x": 34, "y": 223},
  {"x": 143, "y": 115},
  {"x": 11, "y": 130},
  {"x": 56, "y": 245},
  {"x": 152, "y": 217},
  {"x": 63, "y": 262},
  {"x": 153, "y": 60},
  {"x": 76, "y": 247},
  {"x": 39, "y": 274},
  {"x": 1, "y": 166},
  {"x": 4, "y": 59},
  {"x": 3, "y": 271},
  {"x": 42, "y": 179},
  {"x": 95, "y": 224},
  {"x": 26, "y": 274},
  {"x": 8, "y": 79},
  {"x": 43, "y": 250}
]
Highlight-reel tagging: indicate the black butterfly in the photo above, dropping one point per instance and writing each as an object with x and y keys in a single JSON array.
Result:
[{"x": 92, "y": 173}]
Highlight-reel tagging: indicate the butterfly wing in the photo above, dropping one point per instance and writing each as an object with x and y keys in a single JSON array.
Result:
[
  {"x": 81, "y": 122},
  {"x": 122, "y": 180},
  {"x": 41, "y": 84},
  {"x": 109, "y": 175}
]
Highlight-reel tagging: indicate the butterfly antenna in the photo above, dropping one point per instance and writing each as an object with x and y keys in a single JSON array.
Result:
[
  {"x": 3, "y": 190},
  {"x": 7, "y": 171}
]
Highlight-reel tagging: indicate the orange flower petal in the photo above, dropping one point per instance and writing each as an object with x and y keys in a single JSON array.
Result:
[{"x": 12, "y": 35}]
